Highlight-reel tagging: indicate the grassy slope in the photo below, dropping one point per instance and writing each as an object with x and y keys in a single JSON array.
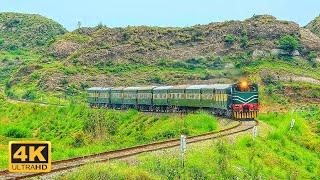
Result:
[
  {"x": 78, "y": 130},
  {"x": 279, "y": 154},
  {"x": 20, "y": 30},
  {"x": 57, "y": 79}
]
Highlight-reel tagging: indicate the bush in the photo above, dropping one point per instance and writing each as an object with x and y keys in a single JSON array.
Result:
[
  {"x": 16, "y": 132},
  {"x": 244, "y": 41},
  {"x": 288, "y": 43},
  {"x": 12, "y": 23},
  {"x": 63, "y": 82},
  {"x": 216, "y": 64},
  {"x": 125, "y": 36},
  {"x": 312, "y": 55},
  {"x": 268, "y": 80},
  {"x": 78, "y": 139},
  {"x": 84, "y": 85},
  {"x": 2, "y": 97},
  {"x": 29, "y": 95},
  {"x": 12, "y": 47},
  {"x": 269, "y": 90},
  {"x": 230, "y": 39},
  {"x": 1, "y": 41},
  {"x": 71, "y": 90},
  {"x": 156, "y": 79},
  {"x": 10, "y": 94}
]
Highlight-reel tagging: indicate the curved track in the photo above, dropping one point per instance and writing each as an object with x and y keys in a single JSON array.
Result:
[{"x": 62, "y": 165}]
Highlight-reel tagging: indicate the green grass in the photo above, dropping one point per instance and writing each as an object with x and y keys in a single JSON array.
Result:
[
  {"x": 77, "y": 130},
  {"x": 280, "y": 154}
]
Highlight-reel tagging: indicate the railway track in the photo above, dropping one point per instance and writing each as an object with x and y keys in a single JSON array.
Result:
[{"x": 62, "y": 165}]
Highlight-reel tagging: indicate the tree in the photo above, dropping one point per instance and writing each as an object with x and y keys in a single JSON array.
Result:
[{"x": 288, "y": 43}]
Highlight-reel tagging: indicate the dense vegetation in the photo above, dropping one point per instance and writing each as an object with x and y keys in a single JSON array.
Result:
[
  {"x": 288, "y": 43},
  {"x": 77, "y": 130},
  {"x": 278, "y": 153}
]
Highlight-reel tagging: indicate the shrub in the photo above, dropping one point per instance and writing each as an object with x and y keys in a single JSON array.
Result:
[
  {"x": 35, "y": 76},
  {"x": 230, "y": 39},
  {"x": 125, "y": 36},
  {"x": 312, "y": 55},
  {"x": 12, "y": 23},
  {"x": 10, "y": 94},
  {"x": 269, "y": 90},
  {"x": 63, "y": 82},
  {"x": 244, "y": 60},
  {"x": 72, "y": 90},
  {"x": 12, "y": 47},
  {"x": 29, "y": 95},
  {"x": 16, "y": 132},
  {"x": 268, "y": 79},
  {"x": 84, "y": 85},
  {"x": 1, "y": 41},
  {"x": 78, "y": 139},
  {"x": 244, "y": 41},
  {"x": 216, "y": 64},
  {"x": 197, "y": 36},
  {"x": 2, "y": 97},
  {"x": 288, "y": 43},
  {"x": 156, "y": 79}
]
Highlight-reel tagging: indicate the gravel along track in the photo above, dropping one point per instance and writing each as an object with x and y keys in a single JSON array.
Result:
[{"x": 63, "y": 165}]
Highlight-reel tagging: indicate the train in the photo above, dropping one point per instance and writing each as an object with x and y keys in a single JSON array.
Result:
[{"x": 238, "y": 101}]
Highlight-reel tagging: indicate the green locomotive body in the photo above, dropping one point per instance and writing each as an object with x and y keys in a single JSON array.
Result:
[{"x": 239, "y": 101}]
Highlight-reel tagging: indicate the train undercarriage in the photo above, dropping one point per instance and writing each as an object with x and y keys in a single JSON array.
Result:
[{"x": 180, "y": 109}]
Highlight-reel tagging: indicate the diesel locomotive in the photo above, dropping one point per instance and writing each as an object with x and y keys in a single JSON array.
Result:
[{"x": 238, "y": 101}]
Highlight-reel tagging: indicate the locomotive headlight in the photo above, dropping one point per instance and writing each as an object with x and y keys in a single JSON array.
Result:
[{"x": 244, "y": 84}]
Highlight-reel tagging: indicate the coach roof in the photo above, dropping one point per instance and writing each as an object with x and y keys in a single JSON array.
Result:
[
  {"x": 163, "y": 88},
  {"x": 98, "y": 89}
]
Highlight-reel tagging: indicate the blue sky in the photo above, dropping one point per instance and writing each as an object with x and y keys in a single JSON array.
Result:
[{"x": 119, "y": 13}]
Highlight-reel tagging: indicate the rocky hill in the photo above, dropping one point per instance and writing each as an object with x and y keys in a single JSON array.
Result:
[
  {"x": 96, "y": 46},
  {"x": 27, "y": 30},
  {"x": 261, "y": 48},
  {"x": 314, "y": 26}
]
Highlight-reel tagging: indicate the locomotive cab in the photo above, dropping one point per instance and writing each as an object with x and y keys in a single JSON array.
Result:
[{"x": 245, "y": 104}]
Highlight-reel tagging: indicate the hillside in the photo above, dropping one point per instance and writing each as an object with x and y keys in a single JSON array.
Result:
[
  {"x": 314, "y": 26},
  {"x": 278, "y": 153},
  {"x": 27, "y": 31},
  {"x": 101, "y": 45},
  {"x": 220, "y": 52}
]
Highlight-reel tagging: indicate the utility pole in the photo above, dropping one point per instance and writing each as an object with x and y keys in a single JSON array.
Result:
[
  {"x": 254, "y": 132},
  {"x": 293, "y": 121},
  {"x": 183, "y": 148},
  {"x": 79, "y": 24}
]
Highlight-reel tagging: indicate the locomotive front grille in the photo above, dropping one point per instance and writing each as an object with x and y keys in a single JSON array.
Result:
[{"x": 245, "y": 115}]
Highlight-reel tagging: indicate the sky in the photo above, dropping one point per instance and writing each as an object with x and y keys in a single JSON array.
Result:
[{"x": 121, "y": 13}]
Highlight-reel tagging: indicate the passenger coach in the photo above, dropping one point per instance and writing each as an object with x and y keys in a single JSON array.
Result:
[{"x": 240, "y": 101}]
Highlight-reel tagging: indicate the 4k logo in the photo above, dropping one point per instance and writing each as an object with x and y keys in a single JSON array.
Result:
[{"x": 30, "y": 156}]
